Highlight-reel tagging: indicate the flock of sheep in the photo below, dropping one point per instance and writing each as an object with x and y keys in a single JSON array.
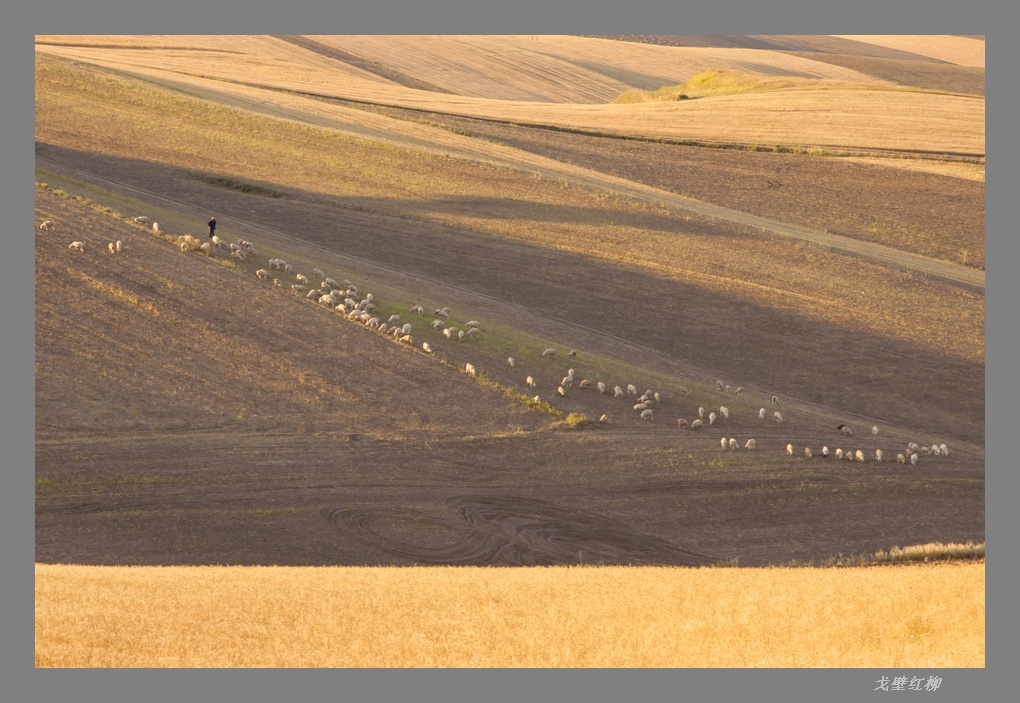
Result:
[{"x": 346, "y": 299}]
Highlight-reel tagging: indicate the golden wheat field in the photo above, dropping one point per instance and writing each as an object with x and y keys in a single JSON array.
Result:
[{"x": 905, "y": 616}]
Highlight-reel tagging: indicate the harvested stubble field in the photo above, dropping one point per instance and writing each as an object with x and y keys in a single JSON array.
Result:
[{"x": 189, "y": 414}]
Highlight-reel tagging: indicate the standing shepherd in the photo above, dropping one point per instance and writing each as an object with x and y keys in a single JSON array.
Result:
[{"x": 212, "y": 227}]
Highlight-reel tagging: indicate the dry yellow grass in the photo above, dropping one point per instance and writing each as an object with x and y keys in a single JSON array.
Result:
[
  {"x": 963, "y": 51},
  {"x": 860, "y": 118},
  {"x": 904, "y": 616}
]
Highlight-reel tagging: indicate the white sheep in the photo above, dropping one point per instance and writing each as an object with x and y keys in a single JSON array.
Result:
[
  {"x": 585, "y": 383},
  {"x": 618, "y": 392},
  {"x": 288, "y": 268},
  {"x": 874, "y": 429},
  {"x": 701, "y": 412},
  {"x": 631, "y": 389},
  {"x": 761, "y": 413},
  {"x": 640, "y": 407},
  {"x": 807, "y": 452},
  {"x": 722, "y": 442},
  {"x": 314, "y": 294},
  {"x": 562, "y": 393},
  {"x": 568, "y": 381},
  {"x": 155, "y": 227},
  {"x": 601, "y": 387},
  {"x": 696, "y": 425},
  {"x": 262, "y": 274},
  {"x": 913, "y": 459},
  {"x": 205, "y": 248},
  {"x": 750, "y": 444},
  {"x": 239, "y": 255},
  {"x": 740, "y": 389},
  {"x": 531, "y": 382},
  {"x": 393, "y": 319},
  {"x": 441, "y": 313},
  {"x": 329, "y": 282},
  {"x": 319, "y": 273},
  {"x": 733, "y": 443},
  {"x": 549, "y": 353},
  {"x": 789, "y": 450},
  {"x": 142, "y": 219},
  {"x": 48, "y": 225},
  {"x": 469, "y": 369},
  {"x": 78, "y": 246},
  {"x": 900, "y": 459},
  {"x": 473, "y": 332},
  {"x": 944, "y": 450},
  {"x": 406, "y": 329},
  {"x": 604, "y": 419},
  {"x": 839, "y": 453},
  {"x": 572, "y": 353},
  {"x": 438, "y": 324},
  {"x": 298, "y": 288},
  {"x": 537, "y": 399},
  {"x": 682, "y": 423},
  {"x": 724, "y": 411},
  {"x": 418, "y": 310},
  {"x": 825, "y": 452},
  {"x": 845, "y": 430},
  {"x": 859, "y": 455},
  {"x": 711, "y": 418},
  {"x": 407, "y": 339},
  {"x": 278, "y": 283},
  {"x": 450, "y": 332},
  {"x": 778, "y": 417},
  {"x": 935, "y": 450},
  {"x": 646, "y": 414},
  {"x": 301, "y": 278},
  {"x": 912, "y": 448},
  {"x": 878, "y": 455},
  {"x": 775, "y": 400},
  {"x": 460, "y": 335},
  {"x": 657, "y": 397},
  {"x": 509, "y": 360},
  {"x": 719, "y": 385},
  {"x": 472, "y": 323},
  {"x": 112, "y": 247}
]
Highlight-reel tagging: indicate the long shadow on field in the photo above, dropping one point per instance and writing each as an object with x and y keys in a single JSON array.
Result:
[{"x": 752, "y": 344}]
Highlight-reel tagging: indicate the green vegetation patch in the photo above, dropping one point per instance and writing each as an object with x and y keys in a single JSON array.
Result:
[{"x": 233, "y": 184}]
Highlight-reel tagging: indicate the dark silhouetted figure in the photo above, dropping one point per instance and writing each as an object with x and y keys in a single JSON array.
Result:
[{"x": 212, "y": 227}]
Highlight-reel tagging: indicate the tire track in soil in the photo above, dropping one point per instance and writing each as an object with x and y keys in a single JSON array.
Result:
[{"x": 512, "y": 531}]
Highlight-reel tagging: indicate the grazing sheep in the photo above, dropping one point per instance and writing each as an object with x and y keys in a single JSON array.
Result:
[
  {"x": 711, "y": 418},
  {"x": 657, "y": 397},
  {"x": 878, "y": 455},
  {"x": 568, "y": 381},
  {"x": 775, "y": 400},
  {"x": 185, "y": 247},
  {"x": 646, "y": 414},
  {"x": 418, "y": 310},
  {"x": 319, "y": 273},
  {"x": 944, "y": 450},
  {"x": 262, "y": 274},
  {"x": 839, "y": 453},
  {"x": 314, "y": 294},
  {"x": 278, "y": 283},
  {"x": 750, "y": 444},
  {"x": 48, "y": 225},
  {"x": 460, "y": 335},
  {"x": 78, "y": 246},
  {"x": 913, "y": 448},
  {"x": 572, "y": 353},
  {"x": 701, "y": 412},
  {"x": 562, "y": 393},
  {"x": 470, "y": 369},
  {"x": 510, "y": 361},
  {"x": 724, "y": 411},
  {"x": 733, "y": 443},
  {"x": 288, "y": 268},
  {"x": 696, "y": 425},
  {"x": 301, "y": 278},
  {"x": 849, "y": 456},
  {"x": 639, "y": 407},
  {"x": 789, "y": 450},
  {"x": 298, "y": 288},
  {"x": 935, "y": 450},
  {"x": 859, "y": 455},
  {"x": 119, "y": 245},
  {"x": 331, "y": 283},
  {"x": 205, "y": 248},
  {"x": 740, "y": 389},
  {"x": 549, "y": 353},
  {"x": 631, "y": 389},
  {"x": 239, "y": 255},
  {"x": 845, "y": 430},
  {"x": 406, "y": 329},
  {"x": 604, "y": 419},
  {"x": 155, "y": 227},
  {"x": 531, "y": 382},
  {"x": 585, "y": 383},
  {"x": 142, "y": 219},
  {"x": 601, "y": 387},
  {"x": 438, "y": 324},
  {"x": 450, "y": 332},
  {"x": 900, "y": 459},
  {"x": 472, "y": 323},
  {"x": 727, "y": 388},
  {"x": 682, "y": 424},
  {"x": 441, "y": 313},
  {"x": 112, "y": 247},
  {"x": 537, "y": 399},
  {"x": 913, "y": 459},
  {"x": 473, "y": 332},
  {"x": 807, "y": 452},
  {"x": 407, "y": 339},
  {"x": 618, "y": 392},
  {"x": 925, "y": 451},
  {"x": 761, "y": 413},
  {"x": 719, "y": 385},
  {"x": 777, "y": 416},
  {"x": 682, "y": 391},
  {"x": 874, "y": 429},
  {"x": 825, "y": 452},
  {"x": 393, "y": 319},
  {"x": 722, "y": 442}
]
